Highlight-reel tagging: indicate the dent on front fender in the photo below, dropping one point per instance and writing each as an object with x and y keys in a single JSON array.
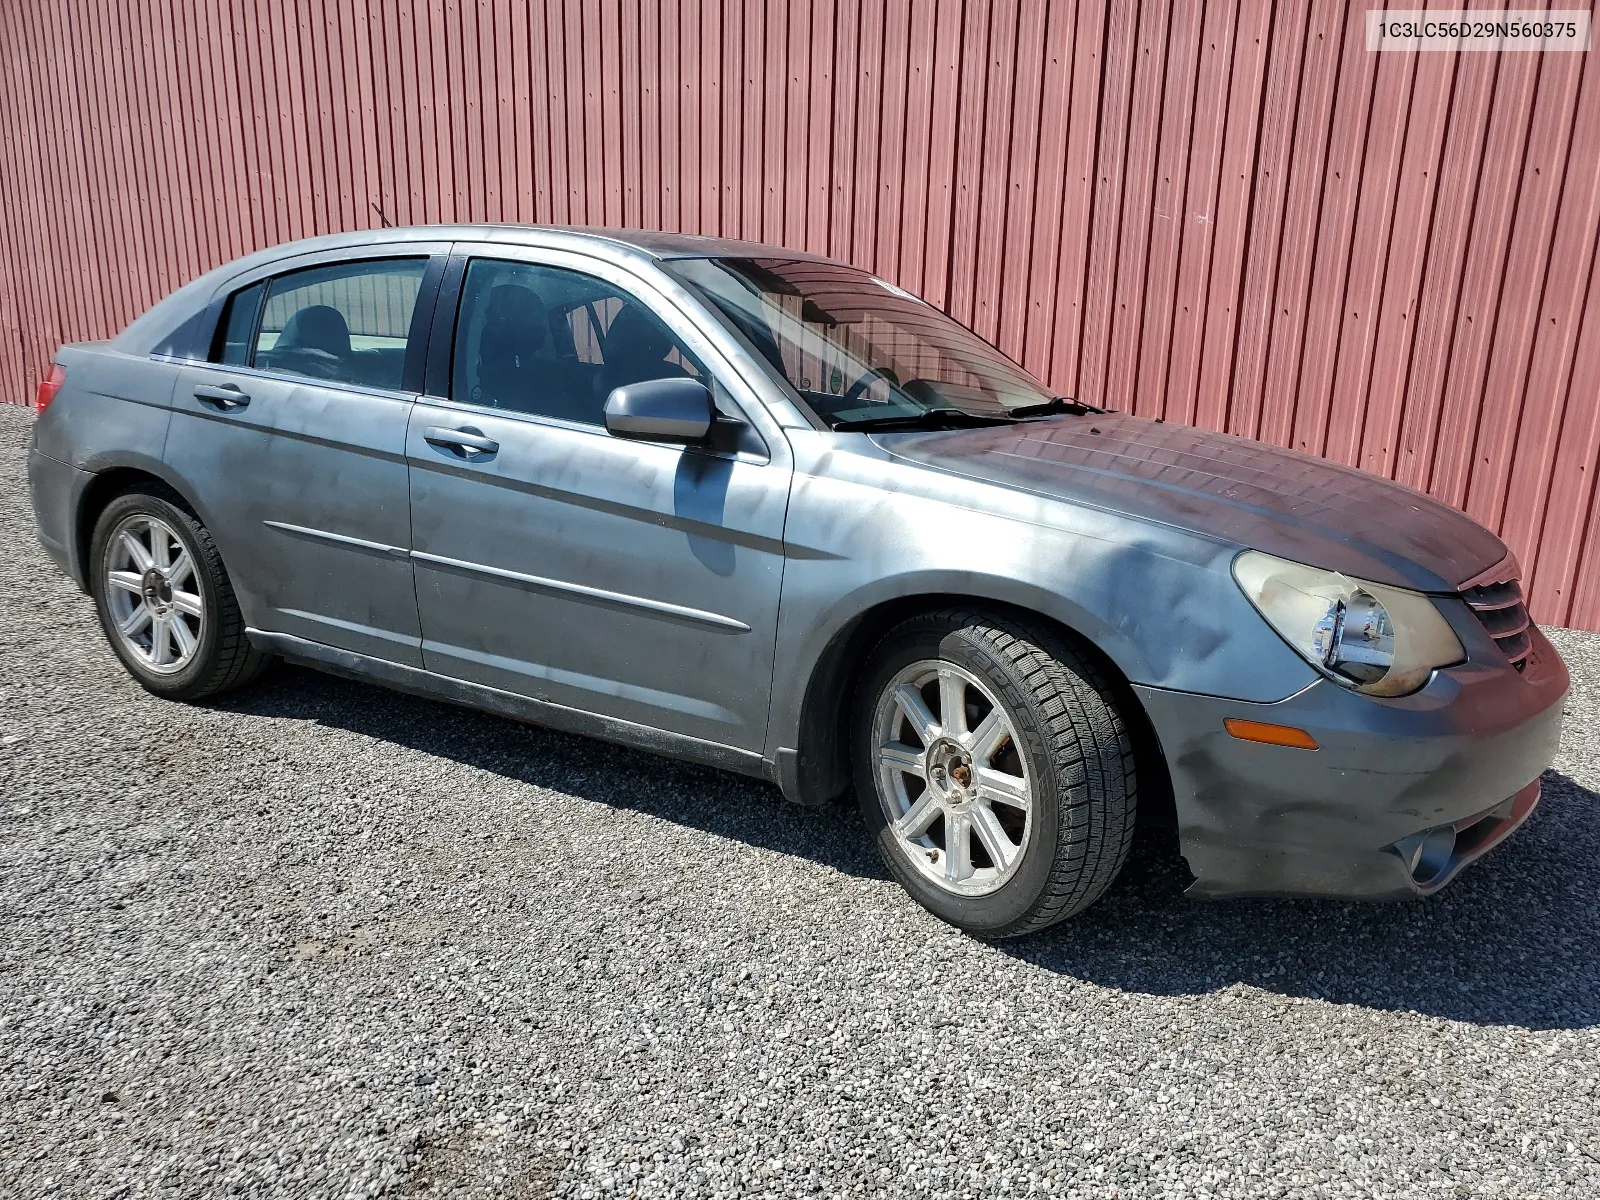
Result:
[{"x": 1159, "y": 602}]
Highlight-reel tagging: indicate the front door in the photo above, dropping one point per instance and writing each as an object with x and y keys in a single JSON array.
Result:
[
  {"x": 635, "y": 580},
  {"x": 294, "y": 437}
]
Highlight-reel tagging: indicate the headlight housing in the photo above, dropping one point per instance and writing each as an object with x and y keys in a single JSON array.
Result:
[{"x": 1383, "y": 641}]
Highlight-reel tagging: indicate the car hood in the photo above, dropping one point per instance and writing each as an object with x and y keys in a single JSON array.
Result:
[{"x": 1227, "y": 487}]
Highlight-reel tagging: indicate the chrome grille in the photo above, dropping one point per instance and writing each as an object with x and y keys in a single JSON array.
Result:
[{"x": 1499, "y": 606}]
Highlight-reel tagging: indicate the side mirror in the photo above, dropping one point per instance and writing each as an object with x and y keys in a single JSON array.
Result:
[{"x": 661, "y": 410}]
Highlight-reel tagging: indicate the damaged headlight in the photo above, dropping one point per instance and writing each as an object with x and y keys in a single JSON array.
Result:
[{"x": 1384, "y": 641}]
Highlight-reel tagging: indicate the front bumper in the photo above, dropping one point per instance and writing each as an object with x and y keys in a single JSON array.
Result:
[{"x": 1352, "y": 818}]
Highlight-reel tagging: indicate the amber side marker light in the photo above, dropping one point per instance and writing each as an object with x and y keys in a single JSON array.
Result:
[{"x": 1272, "y": 735}]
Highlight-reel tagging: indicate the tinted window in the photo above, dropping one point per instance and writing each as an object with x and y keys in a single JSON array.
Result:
[
  {"x": 238, "y": 325},
  {"x": 857, "y": 348},
  {"x": 553, "y": 342},
  {"x": 346, "y": 323},
  {"x": 187, "y": 340}
]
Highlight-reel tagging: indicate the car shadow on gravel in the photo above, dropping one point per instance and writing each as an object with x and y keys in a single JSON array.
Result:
[
  {"x": 1515, "y": 940},
  {"x": 715, "y": 802}
]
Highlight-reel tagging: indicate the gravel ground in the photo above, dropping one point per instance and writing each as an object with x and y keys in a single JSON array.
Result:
[{"x": 323, "y": 940}]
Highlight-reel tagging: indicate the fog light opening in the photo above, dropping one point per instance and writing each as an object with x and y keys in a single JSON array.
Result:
[{"x": 1429, "y": 855}]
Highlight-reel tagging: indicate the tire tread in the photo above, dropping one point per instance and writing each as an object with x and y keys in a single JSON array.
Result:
[
  {"x": 1087, "y": 739},
  {"x": 236, "y": 661}
]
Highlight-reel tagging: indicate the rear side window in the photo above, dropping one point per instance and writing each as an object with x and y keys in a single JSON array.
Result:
[{"x": 347, "y": 323}]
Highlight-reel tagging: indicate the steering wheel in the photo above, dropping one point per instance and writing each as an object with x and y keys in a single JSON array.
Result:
[{"x": 870, "y": 376}]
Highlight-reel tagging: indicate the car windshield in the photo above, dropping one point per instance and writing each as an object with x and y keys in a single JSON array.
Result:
[{"x": 861, "y": 352}]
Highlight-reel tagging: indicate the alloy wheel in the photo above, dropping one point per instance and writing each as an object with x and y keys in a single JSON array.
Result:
[
  {"x": 153, "y": 594},
  {"x": 951, "y": 777}
]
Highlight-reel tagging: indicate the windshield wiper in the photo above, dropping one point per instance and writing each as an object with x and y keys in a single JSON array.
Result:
[
  {"x": 929, "y": 418},
  {"x": 1054, "y": 405}
]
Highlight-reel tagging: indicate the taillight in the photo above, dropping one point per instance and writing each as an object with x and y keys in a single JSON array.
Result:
[{"x": 49, "y": 386}]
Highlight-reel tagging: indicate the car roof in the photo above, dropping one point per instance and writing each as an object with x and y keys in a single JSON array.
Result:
[{"x": 651, "y": 242}]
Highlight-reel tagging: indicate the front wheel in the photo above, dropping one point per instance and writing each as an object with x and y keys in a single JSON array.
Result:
[
  {"x": 995, "y": 769},
  {"x": 165, "y": 601}
]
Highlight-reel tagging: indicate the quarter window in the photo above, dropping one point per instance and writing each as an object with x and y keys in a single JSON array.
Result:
[
  {"x": 238, "y": 326},
  {"x": 346, "y": 324},
  {"x": 543, "y": 340}
]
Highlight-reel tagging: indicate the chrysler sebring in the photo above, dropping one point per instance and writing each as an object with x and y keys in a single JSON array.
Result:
[{"x": 761, "y": 510}]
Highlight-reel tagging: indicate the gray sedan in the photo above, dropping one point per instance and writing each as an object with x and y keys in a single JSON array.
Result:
[{"x": 762, "y": 510}]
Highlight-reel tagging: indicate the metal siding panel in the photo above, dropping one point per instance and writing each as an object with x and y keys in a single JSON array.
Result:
[
  {"x": 494, "y": 86},
  {"x": 1060, "y": 331},
  {"x": 53, "y": 148},
  {"x": 517, "y": 115},
  {"x": 869, "y": 99},
  {"x": 1104, "y": 228},
  {"x": 1524, "y": 315},
  {"x": 671, "y": 160},
  {"x": 842, "y": 140},
  {"x": 1437, "y": 305},
  {"x": 1336, "y": 251},
  {"x": 1372, "y": 233},
  {"x": 1568, "y": 586},
  {"x": 1235, "y": 210},
  {"x": 819, "y": 148},
  {"x": 649, "y": 115},
  {"x": 920, "y": 90},
  {"x": 1152, "y": 192},
  {"x": 730, "y": 216},
  {"x": 1199, "y": 218},
  {"x": 1308, "y": 166},
  {"x": 1229, "y": 213},
  {"x": 968, "y": 189},
  {"x": 888, "y": 194},
  {"x": 1374, "y": 444},
  {"x": 752, "y": 204},
  {"x": 1050, "y": 172},
  {"x": 1016, "y": 250},
  {"x": 1485, "y": 248},
  {"x": 796, "y": 68},
  {"x": 774, "y": 76},
  {"x": 993, "y": 187},
  {"x": 689, "y": 124},
  {"x": 611, "y": 111}
]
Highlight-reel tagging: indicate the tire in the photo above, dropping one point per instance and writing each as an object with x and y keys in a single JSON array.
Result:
[
  {"x": 177, "y": 582},
  {"x": 1067, "y": 744}
]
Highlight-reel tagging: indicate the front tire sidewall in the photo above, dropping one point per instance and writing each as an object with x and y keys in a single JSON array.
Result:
[
  {"x": 1013, "y": 902},
  {"x": 190, "y": 680}
]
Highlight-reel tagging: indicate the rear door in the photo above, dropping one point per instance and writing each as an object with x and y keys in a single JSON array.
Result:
[
  {"x": 293, "y": 439},
  {"x": 631, "y": 579}
]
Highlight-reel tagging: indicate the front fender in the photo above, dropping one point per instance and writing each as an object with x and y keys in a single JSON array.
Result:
[{"x": 1160, "y": 602}]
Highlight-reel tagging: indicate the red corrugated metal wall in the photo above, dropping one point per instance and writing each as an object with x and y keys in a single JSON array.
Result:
[{"x": 1228, "y": 213}]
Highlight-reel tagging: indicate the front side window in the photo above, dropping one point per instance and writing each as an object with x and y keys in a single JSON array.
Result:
[
  {"x": 858, "y": 350},
  {"x": 347, "y": 323},
  {"x": 554, "y": 342}
]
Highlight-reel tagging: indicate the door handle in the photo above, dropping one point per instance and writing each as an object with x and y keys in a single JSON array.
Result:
[
  {"x": 228, "y": 396},
  {"x": 468, "y": 443}
]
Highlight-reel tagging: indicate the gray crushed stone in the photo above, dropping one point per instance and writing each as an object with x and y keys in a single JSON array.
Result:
[{"x": 322, "y": 940}]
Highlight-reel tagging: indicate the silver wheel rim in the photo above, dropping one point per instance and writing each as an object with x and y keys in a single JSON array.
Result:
[
  {"x": 952, "y": 778},
  {"x": 153, "y": 594}
]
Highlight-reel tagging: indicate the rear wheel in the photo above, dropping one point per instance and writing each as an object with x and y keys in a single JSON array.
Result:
[
  {"x": 165, "y": 601},
  {"x": 996, "y": 770}
]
